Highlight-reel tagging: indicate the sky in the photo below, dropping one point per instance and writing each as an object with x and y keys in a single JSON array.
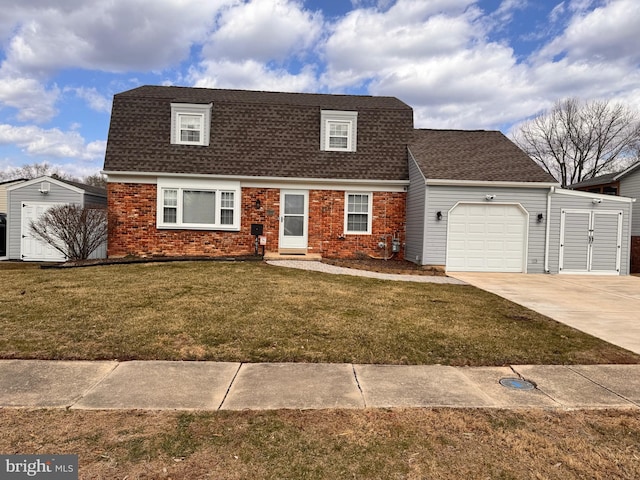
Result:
[{"x": 461, "y": 64}]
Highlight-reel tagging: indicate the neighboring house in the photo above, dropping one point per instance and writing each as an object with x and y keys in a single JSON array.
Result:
[
  {"x": 626, "y": 183},
  {"x": 3, "y": 214},
  {"x": 198, "y": 172},
  {"x": 30, "y": 199}
]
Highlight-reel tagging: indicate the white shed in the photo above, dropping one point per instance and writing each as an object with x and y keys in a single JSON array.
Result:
[{"x": 28, "y": 200}]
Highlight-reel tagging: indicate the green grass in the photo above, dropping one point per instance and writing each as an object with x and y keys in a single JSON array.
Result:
[{"x": 253, "y": 312}]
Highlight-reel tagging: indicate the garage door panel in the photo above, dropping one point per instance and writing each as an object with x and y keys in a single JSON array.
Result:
[{"x": 486, "y": 238}]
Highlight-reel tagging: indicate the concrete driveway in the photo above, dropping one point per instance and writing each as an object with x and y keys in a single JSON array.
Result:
[{"x": 607, "y": 307}]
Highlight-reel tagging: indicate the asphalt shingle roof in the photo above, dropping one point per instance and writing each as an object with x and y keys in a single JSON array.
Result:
[
  {"x": 473, "y": 155},
  {"x": 261, "y": 134}
]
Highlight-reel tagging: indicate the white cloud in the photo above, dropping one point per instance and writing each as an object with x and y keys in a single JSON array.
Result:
[
  {"x": 608, "y": 33},
  {"x": 32, "y": 100},
  {"x": 95, "y": 100},
  {"x": 251, "y": 75},
  {"x": 113, "y": 36},
  {"x": 367, "y": 44},
  {"x": 263, "y": 30},
  {"x": 53, "y": 142}
]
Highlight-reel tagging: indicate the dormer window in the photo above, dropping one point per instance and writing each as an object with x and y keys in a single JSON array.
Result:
[
  {"x": 190, "y": 124},
  {"x": 338, "y": 131}
]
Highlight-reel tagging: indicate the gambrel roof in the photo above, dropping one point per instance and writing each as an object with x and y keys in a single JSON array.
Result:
[
  {"x": 258, "y": 134},
  {"x": 473, "y": 155}
]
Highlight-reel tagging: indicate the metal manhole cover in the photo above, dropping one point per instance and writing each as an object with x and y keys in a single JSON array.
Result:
[{"x": 517, "y": 384}]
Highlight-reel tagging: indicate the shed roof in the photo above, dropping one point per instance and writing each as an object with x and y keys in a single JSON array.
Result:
[{"x": 478, "y": 155}]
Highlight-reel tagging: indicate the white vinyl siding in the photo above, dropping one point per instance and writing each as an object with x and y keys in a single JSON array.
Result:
[
  {"x": 630, "y": 187},
  {"x": 358, "y": 213},
  {"x": 444, "y": 198},
  {"x": 571, "y": 201},
  {"x": 198, "y": 204},
  {"x": 338, "y": 131}
]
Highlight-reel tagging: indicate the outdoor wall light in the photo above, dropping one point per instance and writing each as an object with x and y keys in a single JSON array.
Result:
[
  {"x": 45, "y": 187},
  {"x": 439, "y": 216},
  {"x": 597, "y": 200},
  {"x": 540, "y": 217},
  {"x": 490, "y": 197},
  {"x": 258, "y": 204}
]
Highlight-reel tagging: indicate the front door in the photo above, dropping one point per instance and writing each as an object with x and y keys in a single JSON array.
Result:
[
  {"x": 590, "y": 241},
  {"x": 294, "y": 206}
]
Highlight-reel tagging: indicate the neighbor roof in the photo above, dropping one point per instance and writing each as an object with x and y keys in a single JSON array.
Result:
[
  {"x": 258, "y": 134},
  {"x": 607, "y": 177},
  {"x": 477, "y": 155}
]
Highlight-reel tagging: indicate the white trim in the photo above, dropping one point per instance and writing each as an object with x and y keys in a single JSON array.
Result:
[
  {"x": 591, "y": 217},
  {"x": 601, "y": 196},
  {"x": 295, "y": 183},
  {"x": 547, "y": 235},
  {"x": 525, "y": 246},
  {"x": 348, "y": 118},
  {"x": 483, "y": 183},
  {"x": 199, "y": 185},
  {"x": 191, "y": 109},
  {"x": 369, "y": 212},
  {"x": 45, "y": 178},
  {"x": 303, "y": 241},
  {"x": 629, "y": 169}
]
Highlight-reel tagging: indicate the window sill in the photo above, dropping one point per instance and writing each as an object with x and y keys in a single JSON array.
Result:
[{"x": 202, "y": 228}]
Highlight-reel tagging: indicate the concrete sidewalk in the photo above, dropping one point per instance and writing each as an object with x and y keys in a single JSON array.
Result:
[{"x": 159, "y": 385}]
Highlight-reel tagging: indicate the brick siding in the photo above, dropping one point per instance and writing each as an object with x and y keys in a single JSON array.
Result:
[
  {"x": 635, "y": 254},
  {"x": 133, "y": 232}
]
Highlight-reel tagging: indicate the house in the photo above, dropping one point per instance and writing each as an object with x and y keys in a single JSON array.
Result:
[
  {"x": 28, "y": 200},
  {"x": 3, "y": 214},
  {"x": 626, "y": 183},
  {"x": 205, "y": 172},
  {"x": 190, "y": 170}
]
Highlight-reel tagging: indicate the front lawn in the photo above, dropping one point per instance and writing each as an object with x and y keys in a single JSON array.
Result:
[{"x": 253, "y": 312}]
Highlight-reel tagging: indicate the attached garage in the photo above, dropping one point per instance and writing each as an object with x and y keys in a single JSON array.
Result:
[
  {"x": 477, "y": 203},
  {"x": 487, "y": 237}
]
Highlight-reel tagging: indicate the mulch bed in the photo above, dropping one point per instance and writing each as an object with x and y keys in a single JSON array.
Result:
[{"x": 401, "y": 267}]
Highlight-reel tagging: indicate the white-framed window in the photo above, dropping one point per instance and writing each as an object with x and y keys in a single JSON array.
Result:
[
  {"x": 190, "y": 124},
  {"x": 357, "y": 212},
  {"x": 198, "y": 204},
  {"x": 338, "y": 131}
]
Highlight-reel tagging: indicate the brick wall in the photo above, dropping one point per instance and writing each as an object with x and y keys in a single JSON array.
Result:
[
  {"x": 635, "y": 254},
  {"x": 134, "y": 232}
]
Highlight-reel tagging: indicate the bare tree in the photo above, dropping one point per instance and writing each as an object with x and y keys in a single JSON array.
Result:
[
  {"x": 576, "y": 141},
  {"x": 95, "y": 180},
  {"x": 74, "y": 231},
  {"x": 34, "y": 170}
]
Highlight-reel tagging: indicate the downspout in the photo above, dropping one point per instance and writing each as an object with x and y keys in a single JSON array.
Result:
[{"x": 548, "y": 230}]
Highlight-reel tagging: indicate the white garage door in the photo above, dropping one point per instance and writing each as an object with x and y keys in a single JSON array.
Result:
[
  {"x": 31, "y": 248},
  {"x": 486, "y": 238}
]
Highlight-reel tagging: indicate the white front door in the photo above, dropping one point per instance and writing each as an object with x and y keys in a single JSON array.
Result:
[
  {"x": 294, "y": 207},
  {"x": 31, "y": 248},
  {"x": 590, "y": 241}
]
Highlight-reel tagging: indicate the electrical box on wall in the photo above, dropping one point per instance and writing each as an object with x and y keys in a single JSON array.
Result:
[{"x": 257, "y": 229}]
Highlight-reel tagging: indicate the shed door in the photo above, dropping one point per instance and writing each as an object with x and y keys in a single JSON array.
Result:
[
  {"x": 590, "y": 241},
  {"x": 32, "y": 249},
  {"x": 486, "y": 238}
]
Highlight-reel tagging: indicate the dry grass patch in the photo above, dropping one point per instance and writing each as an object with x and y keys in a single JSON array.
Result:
[
  {"x": 330, "y": 444},
  {"x": 253, "y": 312}
]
